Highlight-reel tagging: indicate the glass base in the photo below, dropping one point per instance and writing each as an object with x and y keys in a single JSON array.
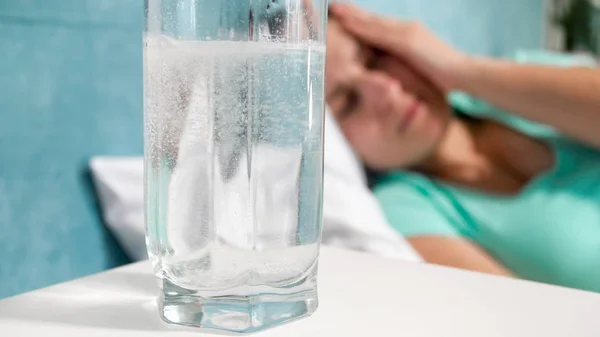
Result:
[{"x": 234, "y": 314}]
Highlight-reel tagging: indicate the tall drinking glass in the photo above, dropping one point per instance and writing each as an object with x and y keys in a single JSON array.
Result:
[{"x": 233, "y": 117}]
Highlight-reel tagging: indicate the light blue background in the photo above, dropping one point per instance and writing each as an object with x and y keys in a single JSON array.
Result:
[
  {"x": 71, "y": 88},
  {"x": 495, "y": 27}
]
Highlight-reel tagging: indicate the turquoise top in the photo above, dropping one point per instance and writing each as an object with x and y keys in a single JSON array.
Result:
[{"x": 549, "y": 232}]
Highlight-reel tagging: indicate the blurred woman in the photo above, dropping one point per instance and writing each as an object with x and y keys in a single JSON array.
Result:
[{"x": 470, "y": 193}]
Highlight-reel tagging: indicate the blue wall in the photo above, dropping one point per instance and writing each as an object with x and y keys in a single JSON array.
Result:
[
  {"x": 70, "y": 88},
  {"x": 495, "y": 27}
]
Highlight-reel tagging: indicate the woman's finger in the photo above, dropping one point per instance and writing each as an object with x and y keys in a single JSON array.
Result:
[
  {"x": 411, "y": 79},
  {"x": 380, "y": 32}
]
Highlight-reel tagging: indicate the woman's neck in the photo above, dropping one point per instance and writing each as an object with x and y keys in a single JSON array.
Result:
[
  {"x": 482, "y": 155},
  {"x": 457, "y": 149}
]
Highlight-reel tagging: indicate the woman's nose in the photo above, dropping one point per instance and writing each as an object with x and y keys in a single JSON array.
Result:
[{"x": 381, "y": 94}]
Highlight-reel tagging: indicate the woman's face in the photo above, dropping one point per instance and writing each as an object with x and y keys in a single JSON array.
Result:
[{"x": 392, "y": 117}]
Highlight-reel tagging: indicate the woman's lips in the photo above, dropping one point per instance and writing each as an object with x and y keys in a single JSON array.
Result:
[{"x": 410, "y": 114}]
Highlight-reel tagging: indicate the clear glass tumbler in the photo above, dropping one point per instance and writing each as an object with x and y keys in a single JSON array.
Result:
[{"x": 233, "y": 117}]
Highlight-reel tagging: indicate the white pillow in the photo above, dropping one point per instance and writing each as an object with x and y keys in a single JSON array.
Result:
[{"x": 352, "y": 216}]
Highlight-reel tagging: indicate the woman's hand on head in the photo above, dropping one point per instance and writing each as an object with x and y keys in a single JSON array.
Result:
[
  {"x": 411, "y": 42},
  {"x": 399, "y": 117}
]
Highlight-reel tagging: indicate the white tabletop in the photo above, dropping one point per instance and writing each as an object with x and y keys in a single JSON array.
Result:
[{"x": 360, "y": 296}]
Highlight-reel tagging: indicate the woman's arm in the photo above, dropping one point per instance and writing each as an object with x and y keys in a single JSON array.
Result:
[
  {"x": 457, "y": 253},
  {"x": 566, "y": 98}
]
